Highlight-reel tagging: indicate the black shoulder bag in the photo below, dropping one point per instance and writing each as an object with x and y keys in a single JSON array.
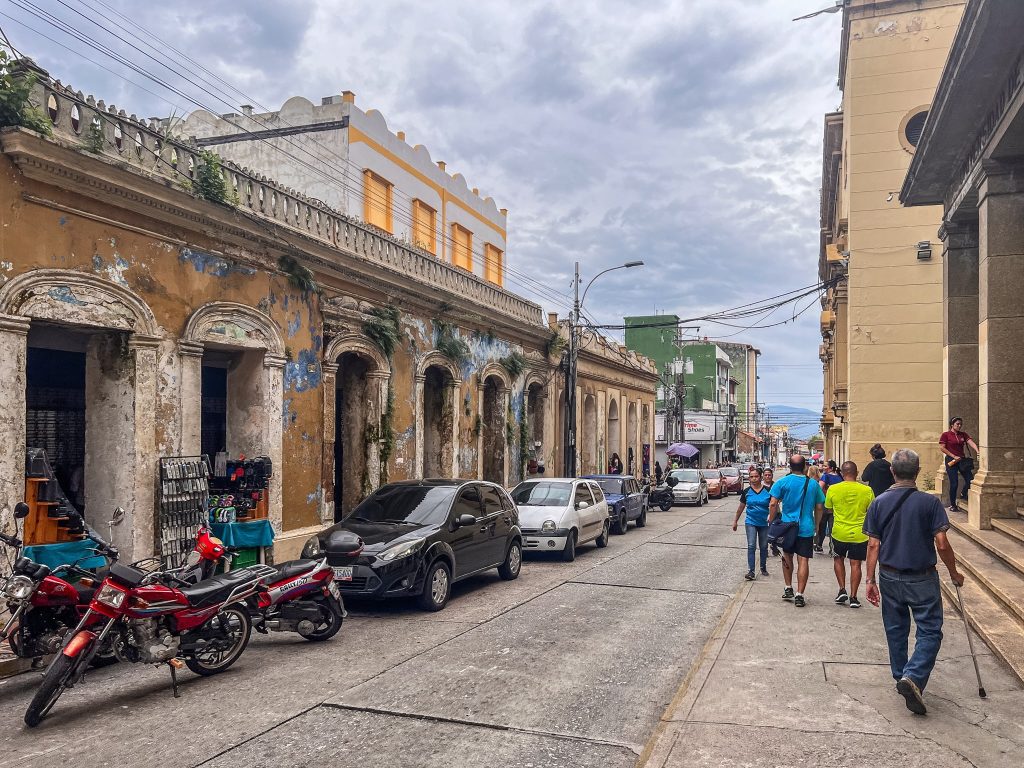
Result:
[
  {"x": 885, "y": 526},
  {"x": 783, "y": 534}
]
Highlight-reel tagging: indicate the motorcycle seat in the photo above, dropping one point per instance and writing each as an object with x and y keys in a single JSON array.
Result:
[
  {"x": 292, "y": 568},
  {"x": 213, "y": 590}
]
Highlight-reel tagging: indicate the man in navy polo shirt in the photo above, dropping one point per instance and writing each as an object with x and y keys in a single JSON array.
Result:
[
  {"x": 905, "y": 527},
  {"x": 800, "y": 499}
]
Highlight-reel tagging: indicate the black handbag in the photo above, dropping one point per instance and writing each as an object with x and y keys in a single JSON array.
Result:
[{"x": 783, "y": 534}]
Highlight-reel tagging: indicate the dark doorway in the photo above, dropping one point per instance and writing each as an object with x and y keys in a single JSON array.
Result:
[
  {"x": 437, "y": 423},
  {"x": 214, "y": 425},
  {"x": 494, "y": 432},
  {"x": 353, "y": 410}
]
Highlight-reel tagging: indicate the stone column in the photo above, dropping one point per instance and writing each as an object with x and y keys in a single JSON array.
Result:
[
  {"x": 999, "y": 487},
  {"x": 274, "y": 370},
  {"x": 959, "y": 329},
  {"x": 191, "y": 397},
  {"x": 146, "y": 351},
  {"x": 14, "y": 354},
  {"x": 456, "y": 407},
  {"x": 503, "y": 404},
  {"x": 329, "y": 389},
  {"x": 377, "y": 387},
  {"x": 421, "y": 379}
]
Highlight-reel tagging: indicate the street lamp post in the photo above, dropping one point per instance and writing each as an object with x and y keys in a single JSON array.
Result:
[{"x": 570, "y": 373}]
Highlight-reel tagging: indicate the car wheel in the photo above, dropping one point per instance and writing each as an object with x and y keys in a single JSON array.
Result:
[
  {"x": 509, "y": 569},
  {"x": 602, "y": 540},
  {"x": 641, "y": 521},
  {"x": 437, "y": 587},
  {"x": 569, "y": 550},
  {"x": 622, "y": 524}
]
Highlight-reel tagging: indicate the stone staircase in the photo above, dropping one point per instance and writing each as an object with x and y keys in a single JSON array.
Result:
[{"x": 993, "y": 564}]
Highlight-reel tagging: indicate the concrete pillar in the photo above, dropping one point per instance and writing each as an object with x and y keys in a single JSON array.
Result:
[
  {"x": 146, "y": 351},
  {"x": 273, "y": 406},
  {"x": 503, "y": 404},
  {"x": 191, "y": 412},
  {"x": 959, "y": 328},
  {"x": 417, "y": 474},
  {"x": 999, "y": 486},
  {"x": 378, "y": 398},
  {"x": 329, "y": 388},
  {"x": 456, "y": 401},
  {"x": 14, "y": 354}
]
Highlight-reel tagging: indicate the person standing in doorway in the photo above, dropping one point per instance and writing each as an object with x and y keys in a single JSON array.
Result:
[
  {"x": 800, "y": 500},
  {"x": 848, "y": 501},
  {"x": 659, "y": 473},
  {"x": 878, "y": 473},
  {"x": 754, "y": 499},
  {"x": 953, "y": 445},
  {"x": 615, "y": 465},
  {"x": 906, "y": 527}
]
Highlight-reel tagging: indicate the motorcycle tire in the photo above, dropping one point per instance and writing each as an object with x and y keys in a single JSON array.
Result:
[
  {"x": 666, "y": 506},
  {"x": 55, "y": 681},
  {"x": 201, "y": 667},
  {"x": 332, "y": 612}
]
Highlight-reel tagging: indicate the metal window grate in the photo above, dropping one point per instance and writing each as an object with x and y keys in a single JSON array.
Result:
[{"x": 914, "y": 128}]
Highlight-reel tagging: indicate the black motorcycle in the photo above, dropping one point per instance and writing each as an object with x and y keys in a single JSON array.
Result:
[{"x": 662, "y": 496}]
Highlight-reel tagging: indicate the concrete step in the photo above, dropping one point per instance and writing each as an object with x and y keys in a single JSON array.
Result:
[
  {"x": 986, "y": 616},
  {"x": 1007, "y": 549},
  {"x": 1012, "y": 527},
  {"x": 1001, "y": 581}
]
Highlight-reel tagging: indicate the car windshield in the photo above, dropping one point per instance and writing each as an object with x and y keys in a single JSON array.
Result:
[
  {"x": 545, "y": 494},
  {"x": 611, "y": 485},
  {"x": 412, "y": 504},
  {"x": 710, "y": 474},
  {"x": 686, "y": 475},
  {"x": 730, "y": 472}
]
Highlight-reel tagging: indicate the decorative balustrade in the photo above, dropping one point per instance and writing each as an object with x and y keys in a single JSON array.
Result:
[{"x": 150, "y": 146}]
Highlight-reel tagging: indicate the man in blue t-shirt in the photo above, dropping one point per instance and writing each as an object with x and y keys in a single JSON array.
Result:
[{"x": 800, "y": 501}]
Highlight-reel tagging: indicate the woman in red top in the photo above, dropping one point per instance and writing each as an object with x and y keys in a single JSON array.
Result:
[{"x": 952, "y": 444}]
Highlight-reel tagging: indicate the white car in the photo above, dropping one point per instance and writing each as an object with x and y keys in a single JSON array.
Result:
[
  {"x": 558, "y": 514},
  {"x": 691, "y": 487}
]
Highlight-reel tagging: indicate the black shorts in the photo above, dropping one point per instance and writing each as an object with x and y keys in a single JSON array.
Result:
[
  {"x": 850, "y": 549},
  {"x": 802, "y": 547}
]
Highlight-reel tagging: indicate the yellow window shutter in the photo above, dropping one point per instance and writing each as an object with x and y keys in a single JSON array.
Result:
[
  {"x": 494, "y": 267},
  {"x": 424, "y": 226},
  {"x": 462, "y": 247},
  {"x": 377, "y": 201}
]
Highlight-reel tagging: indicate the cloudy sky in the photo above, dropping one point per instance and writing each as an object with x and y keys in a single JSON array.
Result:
[{"x": 686, "y": 133}]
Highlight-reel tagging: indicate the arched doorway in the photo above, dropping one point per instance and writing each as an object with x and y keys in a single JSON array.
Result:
[
  {"x": 494, "y": 438},
  {"x": 614, "y": 430},
  {"x": 437, "y": 416},
  {"x": 535, "y": 397},
  {"x": 632, "y": 460},
  {"x": 588, "y": 464}
]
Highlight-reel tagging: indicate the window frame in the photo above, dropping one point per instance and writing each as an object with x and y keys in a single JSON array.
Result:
[
  {"x": 455, "y": 246},
  {"x": 369, "y": 177},
  {"x": 420, "y": 208}
]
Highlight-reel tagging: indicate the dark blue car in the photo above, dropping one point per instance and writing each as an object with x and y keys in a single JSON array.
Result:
[{"x": 626, "y": 500}]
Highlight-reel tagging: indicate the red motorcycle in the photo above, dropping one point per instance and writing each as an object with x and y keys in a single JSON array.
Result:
[{"x": 156, "y": 617}]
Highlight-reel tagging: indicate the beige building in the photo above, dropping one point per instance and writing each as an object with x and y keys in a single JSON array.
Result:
[{"x": 882, "y": 316}]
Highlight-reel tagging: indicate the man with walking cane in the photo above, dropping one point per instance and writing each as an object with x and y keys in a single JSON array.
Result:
[{"x": 905, "y": 528}]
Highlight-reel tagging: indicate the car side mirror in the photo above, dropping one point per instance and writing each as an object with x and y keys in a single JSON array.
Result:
[
  {"x": 21, "y": 510},
  {"x": 463, "y": 521},
  {"x": 581, "y": 505},
  {"x": 672, "y": 482}
]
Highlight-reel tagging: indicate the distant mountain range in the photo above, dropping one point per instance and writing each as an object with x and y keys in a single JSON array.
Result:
[{"x": 802, "y": 422}]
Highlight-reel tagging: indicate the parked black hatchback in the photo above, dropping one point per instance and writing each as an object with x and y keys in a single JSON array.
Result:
[{"x": 419, "y": 537}]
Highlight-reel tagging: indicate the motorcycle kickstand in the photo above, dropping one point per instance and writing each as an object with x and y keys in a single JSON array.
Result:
[{"x": 174, "y": 664}]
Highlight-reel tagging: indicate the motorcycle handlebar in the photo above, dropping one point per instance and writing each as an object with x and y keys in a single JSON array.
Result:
[{"x": 10, "y": 541}]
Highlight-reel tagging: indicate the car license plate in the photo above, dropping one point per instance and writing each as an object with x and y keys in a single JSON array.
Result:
[
  {"x": 344, "y": 573},
  {"x": 333, "y": 589}
]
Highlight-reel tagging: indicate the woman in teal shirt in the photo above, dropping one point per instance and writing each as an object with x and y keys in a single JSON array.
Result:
[{"x": 755, "y": 500}]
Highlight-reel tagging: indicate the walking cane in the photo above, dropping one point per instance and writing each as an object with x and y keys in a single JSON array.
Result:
[{"x": 970, "y": 643}]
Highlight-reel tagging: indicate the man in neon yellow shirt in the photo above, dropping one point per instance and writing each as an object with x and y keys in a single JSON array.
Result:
[{"x": 849, "y": 501}]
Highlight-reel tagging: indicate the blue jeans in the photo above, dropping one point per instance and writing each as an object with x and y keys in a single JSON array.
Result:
[
  {"x": 903, "y": 595},
  {"x": 963, "y": 467},
  {"x": 757, "y": 538}
]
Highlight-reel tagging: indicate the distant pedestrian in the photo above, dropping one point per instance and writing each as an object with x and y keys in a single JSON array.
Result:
[
  {"x": 754, "y": 499},
  {"x": 906, "y": 527},
  {"x": 958, "y": 460},
  {"x": 800, "y": 500},
  {"x": 878, "y": 474},
  {"x": 615, "y": 465},
  {"x": 848, "y": 501},
  {"x": 829, "y": 477},
  {"x": 659, "y": 473}
]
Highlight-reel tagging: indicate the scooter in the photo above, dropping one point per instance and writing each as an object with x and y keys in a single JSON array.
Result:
[{"x": 662, "y": 496}]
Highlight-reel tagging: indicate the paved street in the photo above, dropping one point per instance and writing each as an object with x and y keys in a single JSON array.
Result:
[{"x": 653, "y": 649}]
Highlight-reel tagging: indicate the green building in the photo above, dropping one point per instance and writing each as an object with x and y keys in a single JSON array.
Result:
[{"x": 657, "y": 343}]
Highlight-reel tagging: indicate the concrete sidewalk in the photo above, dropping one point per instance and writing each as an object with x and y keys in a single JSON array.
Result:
[{"x": 780, "y": 686}]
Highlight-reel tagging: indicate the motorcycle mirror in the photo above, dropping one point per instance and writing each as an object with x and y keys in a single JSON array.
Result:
[
  {"x": 118, "y": 517},
  {"x": 21, "y": 510}
]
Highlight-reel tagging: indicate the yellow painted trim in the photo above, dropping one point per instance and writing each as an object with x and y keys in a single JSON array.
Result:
[{"x": 355, "y": 135}]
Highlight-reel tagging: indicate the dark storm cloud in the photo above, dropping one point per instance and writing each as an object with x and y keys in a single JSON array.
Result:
[{"x": 682, "y": 132}]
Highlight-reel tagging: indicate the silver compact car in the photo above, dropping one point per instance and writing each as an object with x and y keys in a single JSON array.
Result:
[
  {"x": 691, "y": 487},
  {"x": 558, "y": 514}
]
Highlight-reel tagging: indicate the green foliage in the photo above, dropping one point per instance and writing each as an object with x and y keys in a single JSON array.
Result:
[
  {"x": 554, "y": 345},
  {"x": 524, "y": 439},
  {"x": 514, "y": 363},
  {"x": 210, "y": 183},
  {"x": 510, "y": 427},
  {"x": 382, "y": 327},
  {"x": 387, "y": 434},
  {"x": 449, "y": 343},
  {"x": 94, "y": 138},
  {"x": 299, "y": 277},
  {"x": 478, "y": 426},
  {"x": 15, "y": 106}
]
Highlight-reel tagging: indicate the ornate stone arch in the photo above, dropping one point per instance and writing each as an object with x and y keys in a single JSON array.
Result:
[
  {"x": 237, "y": 325},
  {"x": 77, "y": 298},
  {"x": 360, "y": 345},
  {"x": 445, "y": 363},
  {"x": 440, "y": 360},
  {"x": 499, "y": 372}
]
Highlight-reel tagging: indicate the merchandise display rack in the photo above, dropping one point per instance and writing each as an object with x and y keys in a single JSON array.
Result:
[{"x": 184, "y": 500}]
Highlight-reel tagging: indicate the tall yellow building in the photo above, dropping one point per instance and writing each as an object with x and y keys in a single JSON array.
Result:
[{"x": 882, "y": 315}]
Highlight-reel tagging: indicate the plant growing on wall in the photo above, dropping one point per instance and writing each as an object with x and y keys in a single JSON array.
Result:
[
  {"x": 15, "y": 90},
  {"x": 478, "y": 426},
  {"x": 449, "y": 344},
  {"x": 514, "y": 363},
  {"x": 524, "y": 442},
  {"x": 94, "y": 138},
  {"x": 387, "y": 433},
  {"x": 209, "y": 182},
  {"x": 510, "y": 427},
  {"x": 382, "y": 327},
  {"x": 554, "y": 345},
  {"x": 299, "y": 276}
]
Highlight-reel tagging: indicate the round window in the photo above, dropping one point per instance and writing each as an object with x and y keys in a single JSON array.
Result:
[{"x": 911, "y": 128}]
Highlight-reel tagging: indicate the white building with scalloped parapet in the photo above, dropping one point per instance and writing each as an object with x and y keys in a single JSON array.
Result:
[{"x": 352, "y": 161}]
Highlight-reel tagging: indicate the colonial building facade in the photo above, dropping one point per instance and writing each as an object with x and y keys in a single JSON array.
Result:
[{"x": 143, "y": 315}]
